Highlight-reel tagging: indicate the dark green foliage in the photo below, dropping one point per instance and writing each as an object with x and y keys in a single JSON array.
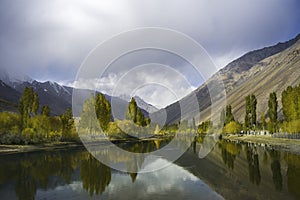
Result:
[
  {"x": 131, "y": 110},
  {"x": 250, "y": 117},
  {"x": 291, "y": 103},
  {"x": 68, "y": 126},
  {"x": 134, "y": 113},
  {"x": 28, "y": 105},
  {"x": 45, "y": 111},
  {"x": 103, "y": 111},
  {"x": 263, "y": 121},
  {"x": 88, "y": 119},
  {"x": 204, "y": 127},
  {"x": 95, "y": 176},
  {"x": 228, "y": 115},
  {"x": 272, "y": 112}
]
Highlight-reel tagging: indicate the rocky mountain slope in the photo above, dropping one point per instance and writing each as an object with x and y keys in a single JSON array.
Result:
[{"x": 259, "y": 72}]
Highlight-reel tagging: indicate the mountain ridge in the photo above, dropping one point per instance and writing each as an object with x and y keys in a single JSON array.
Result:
[{"x": 232, "y": 76}]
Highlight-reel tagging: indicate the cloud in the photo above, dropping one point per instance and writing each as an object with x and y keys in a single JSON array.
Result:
[
  {"x": 157, "y": 84},
  {"x": 49, "y": 40}
]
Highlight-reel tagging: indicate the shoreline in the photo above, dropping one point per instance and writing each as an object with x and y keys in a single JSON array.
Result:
[
  {"x": 6, "y": 149},
  {"x": 282, "y": 144},
  {"x": 13, "y": 149}
]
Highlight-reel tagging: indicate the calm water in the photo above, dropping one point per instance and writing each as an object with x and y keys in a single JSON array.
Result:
[{"x": 230, "y": 171}]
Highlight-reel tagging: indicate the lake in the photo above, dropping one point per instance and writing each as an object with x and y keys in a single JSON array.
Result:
[{"x": 230, "y": 171}]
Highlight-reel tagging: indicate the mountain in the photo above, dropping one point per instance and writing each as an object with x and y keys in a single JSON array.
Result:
[
  {"x": 259, "y": 72},
  {"x": 8, "y": 97},
  {"x": 56, "y": 96},
  {"x": 144, "y": 105},
  {"x": 14, "y": 78}
]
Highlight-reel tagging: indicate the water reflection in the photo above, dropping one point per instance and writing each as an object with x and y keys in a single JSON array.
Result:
[
  {"x": 276, "y": 169},
  {"x": 293, "y": 174},
  {"x": 253, "y": 164},
  {"x": 95, "y": 176},
  {"x": 234, "y": 170},
  {"x": 229, "y": 152}
]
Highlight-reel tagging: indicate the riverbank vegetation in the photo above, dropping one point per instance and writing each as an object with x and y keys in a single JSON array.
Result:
[
  {"x": 269, "y": 122},
  {"x": 32, "y": 125},
  {"x": 28, "y": 126}
]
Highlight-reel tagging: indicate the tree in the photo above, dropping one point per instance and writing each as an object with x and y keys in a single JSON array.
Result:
[
  {"x": 88, "y": 118},
  {"x": 131, "y": 110},
  {"x": 68, "y": 126},
  {"x": 35, "y": 103},
  {"x": 103, "y": 111},
  {"x": 232, "y": 127},
  {"x": 272, "y": 112},
  {"x": 263, "y": 121},
  {"x": 140, "y": 119},
  {"x": 28, "y": 105},
  {"x": 45, "y": 111},
  {"x": 228, "y": 115},
  {"x": 222, "y": 118},
  {"x": 291, "y": 103},
  {"x": 250, "y": 116},
  {"x": 135, "y": 114}
]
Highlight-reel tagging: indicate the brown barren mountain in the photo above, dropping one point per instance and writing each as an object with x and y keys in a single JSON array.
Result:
[{"x": 258, "y": 72}]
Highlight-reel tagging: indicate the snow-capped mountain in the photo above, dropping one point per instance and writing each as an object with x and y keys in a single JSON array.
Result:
[
  {"x": 13, "y": 79},
  {"x": 144, "y": 105},
  {"x": 56, "y": 96}
]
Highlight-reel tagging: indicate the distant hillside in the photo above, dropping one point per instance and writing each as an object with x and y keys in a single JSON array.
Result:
[
  {"x": 261, "y": 71},
  {"x": 56, "y": 96},
  {"x": 8, "y": 97}
]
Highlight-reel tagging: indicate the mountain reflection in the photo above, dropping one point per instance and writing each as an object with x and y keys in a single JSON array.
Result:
[{"x": 230, "y": 165}]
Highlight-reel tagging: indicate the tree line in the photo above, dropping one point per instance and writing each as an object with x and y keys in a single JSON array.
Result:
[
  {"x": 28, "y": 126},
  {"x": 290, "y": 108}
]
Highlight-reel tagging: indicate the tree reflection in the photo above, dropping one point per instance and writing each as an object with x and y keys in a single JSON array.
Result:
[
  {"x": 25, "y": 186},
  {"x": 293, "y": 174},
  {"x": 276, "y": 169},
  {"x": 95, "y": 176},
  {"x": 34, "y": 170},
  {"x": 253, "y": 165},
  {"x": 229, "y": 151}
]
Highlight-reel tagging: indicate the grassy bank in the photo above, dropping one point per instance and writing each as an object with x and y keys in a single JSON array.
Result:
[
  {"x": 10, "y": 149},
  {"x": 290, "y": 145}
]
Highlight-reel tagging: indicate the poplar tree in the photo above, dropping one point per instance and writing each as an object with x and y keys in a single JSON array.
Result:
[
  {"x": 250, "y": 117},
  {"x": 45, "y": 111},
  {"x": 228, "y": 115},
  {"x": 28, "y": 105},
  {"x": 103, "y": 111},
  {"x": 272, "y": 112}
]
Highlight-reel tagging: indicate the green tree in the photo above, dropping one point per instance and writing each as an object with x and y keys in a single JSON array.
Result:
[
  {"x": 228, "y": 115},
  {"x": 35, "y": 103},
  {"x": 291, "y": 103},
  {"x": 272, "y": 112},
  {"x": 88, "y": 119},
  {"x": 250, "y": 117},
  {"x": 68, "y": 126},
  {"x": 28, "y": 105},
  {"x": 135, "y": 114},
  {"x": 232, "y": 127},
  {"x": 131, "y": 110},
  {"x": 263, "y": 121},
  {"x": 103, "y": 111},
  {"x": 45, "y": 111}
]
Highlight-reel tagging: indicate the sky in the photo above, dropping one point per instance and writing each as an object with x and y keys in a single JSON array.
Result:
[{"x": 49, "y": 40}]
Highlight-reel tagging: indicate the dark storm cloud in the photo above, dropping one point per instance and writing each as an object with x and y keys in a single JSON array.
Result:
[{"x": 50, "y": 39}]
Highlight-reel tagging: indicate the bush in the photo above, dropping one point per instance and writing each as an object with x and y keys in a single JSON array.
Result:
[
  {"x": 232, "y": 127},
  {"x": 292, "y": 126}
]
